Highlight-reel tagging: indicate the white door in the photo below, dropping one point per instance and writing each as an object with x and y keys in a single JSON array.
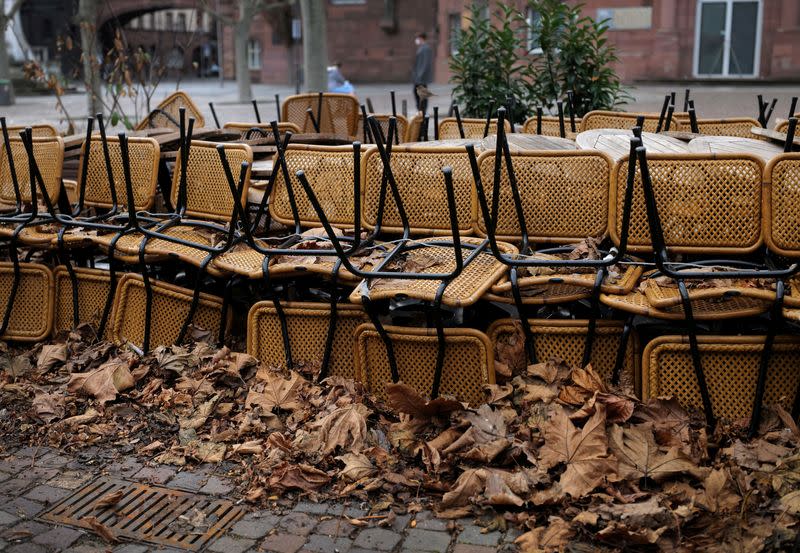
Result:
[{"x": 727, "y": 38}]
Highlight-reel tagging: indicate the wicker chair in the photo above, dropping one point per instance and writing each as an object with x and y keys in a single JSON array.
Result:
[
  {"x": 550, "y": 126},
  {"x": 363, "y": 133},
  {"x": 733, "y": 126},
  {"x": 167, "y": 113},
  {"x": 322, "y": 112},
  {"x": 253, "y": 130},
  {"x": 39, "y": 130},
  {"x": 688, "y": 206},
  {"x": 625, "y": 120}
]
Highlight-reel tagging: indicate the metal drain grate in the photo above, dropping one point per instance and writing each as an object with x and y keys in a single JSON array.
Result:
[{"x": 149, "y": 514}]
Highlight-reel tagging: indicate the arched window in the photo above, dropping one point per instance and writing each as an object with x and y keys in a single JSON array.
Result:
[{"x": 253, "y": 54}]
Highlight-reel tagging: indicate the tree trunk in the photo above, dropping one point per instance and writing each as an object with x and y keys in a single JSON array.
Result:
[
  {"x": 241, "y": 34},
  {"x": 315, "y": 45},
  {"x": 87, "y": 12},
  {"x": 5, "y": 67}
]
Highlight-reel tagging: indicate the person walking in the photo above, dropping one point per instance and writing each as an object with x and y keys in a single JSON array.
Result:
[{"x": 422, "y": 73}]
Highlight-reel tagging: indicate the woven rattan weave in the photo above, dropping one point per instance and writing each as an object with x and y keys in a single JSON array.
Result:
[
  {"x": 339, "y": 113},
  {"x": 170, "y": 307},
  {"x": 32, "y": 314},
  {"x": 245, "y": 127},
  {"x": 781, "y": 201},
  {"x": 171, "y": 105},
  {"x": 564, "y": 195},
  {"x": 730, "y": 364},
  {"x": 49, "y": 154},
  {"x": 565, "y": 339},
  {"x": 734, "y": 126},
  {"x": 708, "y": 204},
  {"x": 550, "y": 125},
  {"x": 417, "y": 171},
  {"x": 307, "y": 324},
  {"x": 468, "y": 363},
  {"x": 732, "y": 307},
  {"x": 624, "y": 120},
  {"x": 383, "y": 119},
  {"x": 473, "y": 128},
  {"x": 93, "y": 288}
]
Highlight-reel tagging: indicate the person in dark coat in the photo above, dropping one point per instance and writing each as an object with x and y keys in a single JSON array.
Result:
[{"x": 422, "y": 73}]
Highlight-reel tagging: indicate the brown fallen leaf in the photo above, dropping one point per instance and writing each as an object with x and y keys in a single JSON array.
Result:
[
  {"x": 405, "y": 399},
  {"x": 51, "y": 356},
  {"x": 298, "y": 476},
  {"x": 100, "y": 529},
  {"x": 48, "y": 407},
  {"x": 103, "y": 383},
  {"x": 110, "y": 499},
  {"x": 640, "y": 457},
  {"x": 485, "y": 438},
  {"x": 584, "y": 451},
  {"x": 552, "y": 537},
  {"x": 356, "y": 466},
  {"x": 345, "y": 427},
  {"x": 274, "y": 391}
]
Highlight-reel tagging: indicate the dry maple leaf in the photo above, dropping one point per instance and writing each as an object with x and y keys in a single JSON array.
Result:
[
  {"x": 51, "y": 356},
  {"x": 103, "y": 383},
  {"x": 486, "y": 437},
  {"x": 584, "y": 451},
  {"x": 553, "y": 537},
  {"x": 100, "y": 529},
  {"x": 345, "y": 427},
  {"x": 490, "y": 486},
  {"x": 48, "y": 407},
  {"x": 356, "y": 466},
  {"x": 277, "y": 392},
  {"x": 640, "y": 457},
  {"x": 405, "y": 399},
  {"x": 718, "y": 495},
  {"x": 297, "y": 476},
  {"x": 110, "y": 499}
]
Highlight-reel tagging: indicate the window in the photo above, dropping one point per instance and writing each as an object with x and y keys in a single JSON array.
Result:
[
  {"x": 148, "y": 21},
  {"x": 182, "y": 22},
  {"x": 534, "y": 21},
  {"x": 453, "y": 32},
  {"x": 253, "y": 54},
  {"x": 346, "y": 2},
  {"x": 169, "y": 25}
]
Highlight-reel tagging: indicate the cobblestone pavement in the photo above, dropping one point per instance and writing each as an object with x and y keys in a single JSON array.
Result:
[{"x": 33, "y": 479}]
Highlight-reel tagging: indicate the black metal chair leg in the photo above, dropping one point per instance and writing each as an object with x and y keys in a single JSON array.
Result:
[
  {"x": 387, "y": 341},
  {"x": 326, "y": 355},
  {"x": 112, "y": 287},
  {"x": 592, "y": 327},
  {"x": 442, "y": 345},
  {"x": 148, "y": 310},
  {"x": 195, "y": 298},
  {"x": 12, "y": 250},
  {"x": 73, "y": 278},
  {"x": 226, "y": 302},
  {"x": 621, "y": 351},
  {"x": 694, "y": 349},
  {"x": 530, "y": 348},
  {"x": 772, "y": 330}
]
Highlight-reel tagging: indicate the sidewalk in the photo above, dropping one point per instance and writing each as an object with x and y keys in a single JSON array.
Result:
[
  {"x": 34, "y": 479},
  {"x": 711, "y": 101}
]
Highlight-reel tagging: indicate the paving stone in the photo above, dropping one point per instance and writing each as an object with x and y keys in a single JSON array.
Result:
[
  {"x": 15, "y": 486},
  {"x": 359, "y": 550},
  {"x": 32, "y": 451},
  {"x": 309, "y": 507},
  {"x": 131, "y": 548},
  {"x": 335, "y": 527},
  {"x": 59, "y": 538},
  {"x": 512, "y": 534},
  {"x": 327, "y": 544},
  {"x": 299, "y": 524},
  {"x": 25, "y": 507},
  {"x": 401, "y": 522},
  {"x": 51, "y": 460},
  {"x": 3, "y": 544},
  {"x": 469, "y": 548},
  {"x": 25, "y": 548},
  {"x": 154, "y": 475},
  {"x": 355, "y": 512},
  {"x": 24, "y": 530},
  {"x": 70, "y": 479},
  {"x": 283, "y": 543},
  {"x": 432, "y": 524},
  {"x": 426, "y": 540},
  {"x": 4, "y": 476},
  {"x": 126, "y": 469},
  {"x": 472, "y": 534},
  {"x": 189, "y": 480},
  {"x": 227, "y": 544},
  {"x": 254, "y": 528},
  {"x": 377, "y": 539},
  {"x": 47, "y": 494},
  {"x": 7, "y": 518},
  {"x": 217, "y": 486},
  {"x": 14, "y": 465}
]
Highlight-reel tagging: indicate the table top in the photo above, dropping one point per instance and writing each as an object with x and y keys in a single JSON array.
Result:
[
  {"x": 516, "y": 142},
  {"x": 775, "y": 136},
  {"x": 617, "y": 142},
  {"x": 734, "y": 145}
]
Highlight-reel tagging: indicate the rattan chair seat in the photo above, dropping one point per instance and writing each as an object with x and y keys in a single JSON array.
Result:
[
  {"x": 781, "y": 198},
  {"x": 307, "y": 324},
  {"x": 732, "y": 126},
  {"x": 49, "y": 155},
  {"x": 550, "y": 125},
  {"x": 339, "y": 113},
  {"x": 34, "y": 236},
  {"x": 664, "y": 296},
  {"x": 93, "y": 288},
  {"x": 730, "y": 364},
  {"x": 703, "y": 309},
  {"x": 473, "y": 127},
  {"x": 32, "y": 313},
  {"x": 468, "y": 362},
  {"x": 547, "y": 294},
  {"x": 170, "y": 307},
  {"x": 466, "y": 289},
  {"x": 600, "y": 119},
  {"x": 566, "y": 339}
]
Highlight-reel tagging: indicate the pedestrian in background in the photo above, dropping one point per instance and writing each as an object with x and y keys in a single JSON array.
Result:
[{"x": 422, "y": 74}]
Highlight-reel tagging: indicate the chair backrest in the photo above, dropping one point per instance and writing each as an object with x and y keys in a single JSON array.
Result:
[
  {"x": 383, "y": 119},
  {"x": 781, "y": 126},
  {"x": 564, "y": 195},
  {"x": 339, "y": 113},
  {"x": 329, "y": 170},
  {"x": 707, "y": 203},
  {"x": 625, "y": 120},
  {"x": 473, "y": 128},
  {"x": 414, "y": 128},
  {"x": 40, "y": 130},
  {"x": 144, "y": 155},
  {"x": 49, "y": 154},
  {"x": 550, "y": 125},
  {"x": 781, "y": 201},
  {"x": 733, "y": 126},
  {"x": 208, "y": 194},
  {"x": 417, "y": 171},
  {"x": 171, "y": 105},
  {"x": 244, "y": 127}
]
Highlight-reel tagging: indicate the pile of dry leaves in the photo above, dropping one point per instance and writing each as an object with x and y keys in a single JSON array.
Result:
[{"x": 554, "y": 451}]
